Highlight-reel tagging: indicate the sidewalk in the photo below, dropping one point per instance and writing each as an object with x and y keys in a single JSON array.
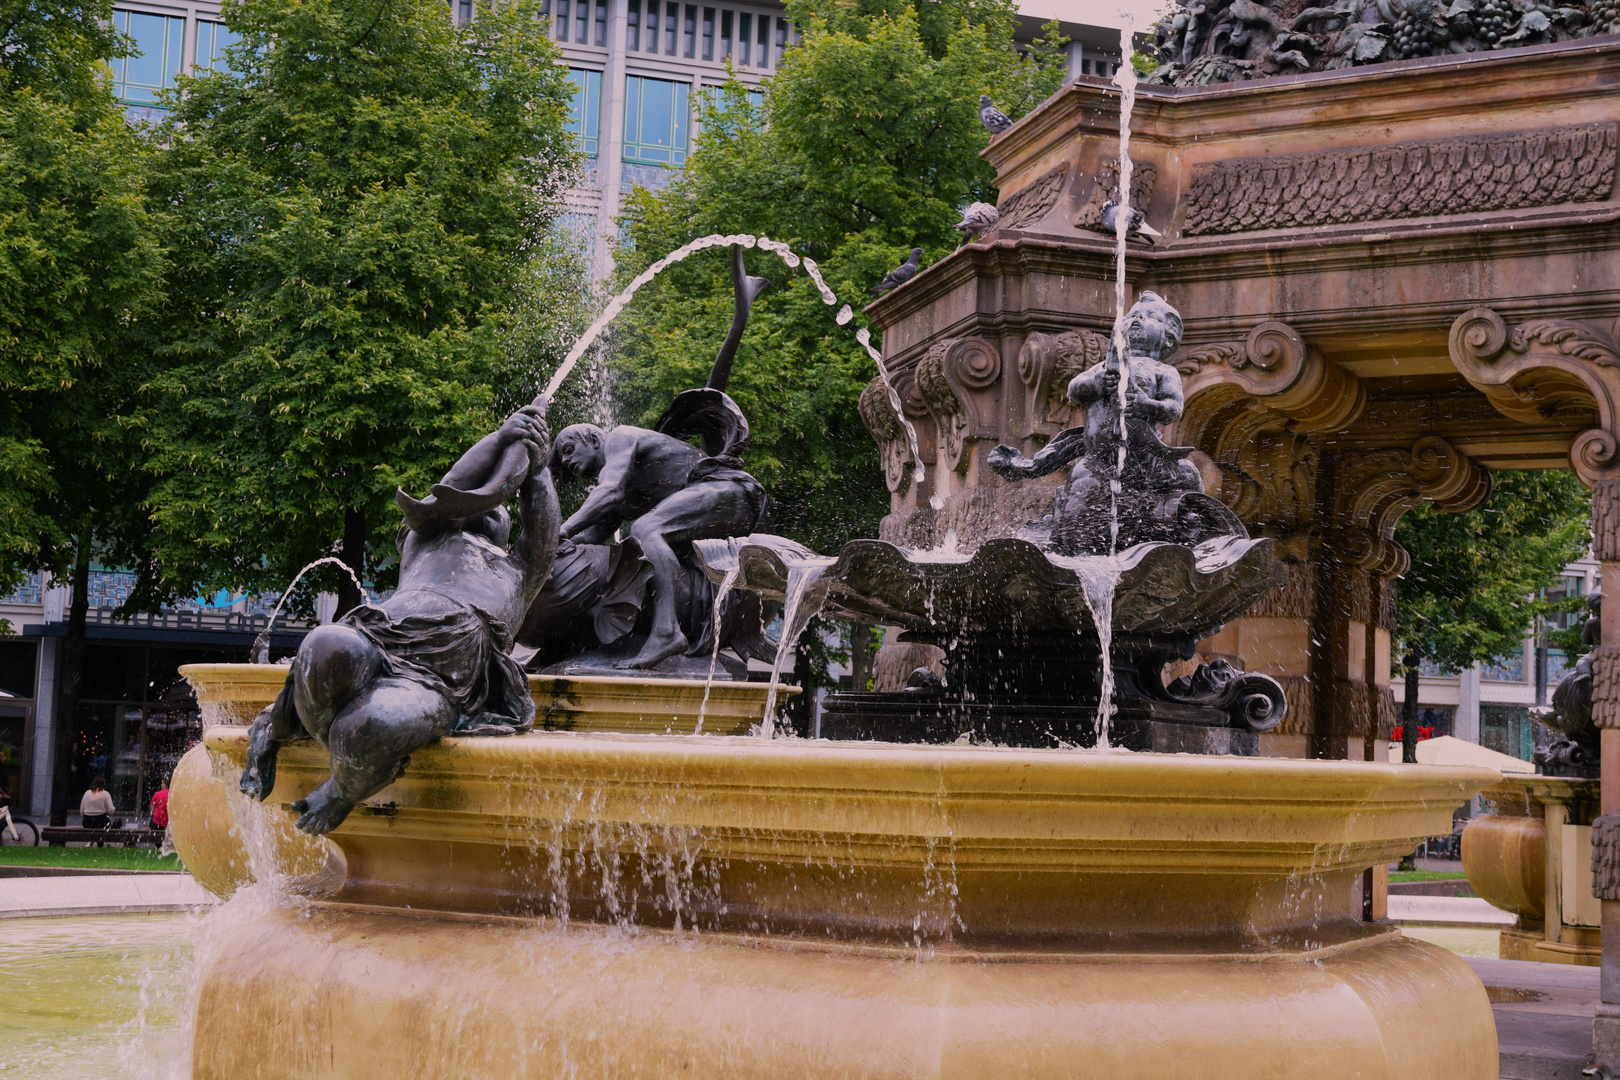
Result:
[
  {"x": 1543, "y": 1016},
  {"x": 113, "y": 894},
  {"x": 1458, "y": 912}
]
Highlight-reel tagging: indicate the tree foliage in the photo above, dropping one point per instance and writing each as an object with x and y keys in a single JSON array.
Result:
[
  {"x": 866, "y": 145},
  {"x": 352, "y": 209},
  {"x": 79, "y": 260},
  {"x": 1471, "y": 592}
]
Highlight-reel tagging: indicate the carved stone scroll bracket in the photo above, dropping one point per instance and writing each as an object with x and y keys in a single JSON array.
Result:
[
  {"x": 879, "y": 415},
  {"x": 1046, "y": 364},
  {"x": 1276, "y": 365},
  {"x": 1545, "y": 370},
  {"x": 949, "y": 378},
  {"x": 1374, "y": 488},
  {"x": 1251, "y": 406},
  {"x": 1606, "y": 857}
]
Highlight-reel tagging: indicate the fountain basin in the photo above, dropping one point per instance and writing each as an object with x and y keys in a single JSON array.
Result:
[
  {"x": 643, "y": 905},
  {"x": 236, "y": 693}
]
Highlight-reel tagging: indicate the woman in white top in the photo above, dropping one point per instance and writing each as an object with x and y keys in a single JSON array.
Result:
[{"x": 97, "y": 805}]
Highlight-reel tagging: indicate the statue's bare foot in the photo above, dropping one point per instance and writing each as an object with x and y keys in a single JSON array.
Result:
[
  {"x": 659, "y": 647},
  {"x": 257, "y": 780},
  {"x": 322, "y": 810}
]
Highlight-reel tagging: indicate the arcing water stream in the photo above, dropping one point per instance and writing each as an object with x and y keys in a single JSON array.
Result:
[
  {"x": 747, "y": 240},
  {"x": 261, "y": 644}
]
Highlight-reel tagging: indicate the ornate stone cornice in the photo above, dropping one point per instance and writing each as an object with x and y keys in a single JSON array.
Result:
[
  {"x": 1429, "y": 178},
  {"x": 1544, "y": 369}
]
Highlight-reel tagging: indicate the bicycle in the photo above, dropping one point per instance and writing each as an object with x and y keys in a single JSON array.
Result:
[{"x": 27, "y": 832}]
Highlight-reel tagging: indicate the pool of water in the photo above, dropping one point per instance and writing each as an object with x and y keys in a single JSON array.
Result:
[{"x": 99, "y": 997}]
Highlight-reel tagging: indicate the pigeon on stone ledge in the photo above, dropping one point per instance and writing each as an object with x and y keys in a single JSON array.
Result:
[
  {"x": 900, "y": 274},
  {"x": 979, "y": 219},
  {"x": 1136, "y": 224},
  {"x": 994, "y": 120}
]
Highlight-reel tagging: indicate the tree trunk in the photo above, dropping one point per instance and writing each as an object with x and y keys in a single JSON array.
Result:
[
  {"x": 69, "y": 674},
  {"x": 1409, "y": 711},
  {"x": 354, "y": 555}
]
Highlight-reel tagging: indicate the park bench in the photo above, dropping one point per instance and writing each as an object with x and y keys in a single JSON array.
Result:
[{"x": 56, "y": 836}]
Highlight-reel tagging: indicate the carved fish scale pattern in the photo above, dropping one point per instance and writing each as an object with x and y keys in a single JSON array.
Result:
[{"x": 1421, "y": 179}]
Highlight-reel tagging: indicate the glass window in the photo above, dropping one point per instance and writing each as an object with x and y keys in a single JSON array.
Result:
[
  {"x": 1504, "y": 669},
  {"x": 781, "y": 39},
  {"x": 708, "y": 33},
  {"x": 690, "y": 51},
  {"x": 632, "y": 25},
  {"x": 756, "y": 100},
  {"x": 655, "y": 121},
  {"x": 1506, "y": 729},
  {"x": 461, "y": 11},
  {"x": 725, "y": 35},
  {"x": 585, "y": 117},
  {"x": 765, "y": 41},
  {"x": 601, "y": 22},
  {"x": 158, "y": 39},
  {"x": 562, "y": 19},
  {"x": 213, "y": 38},
  {"x": 745, "y": 30},
  {"x": 18, "y": 660},
  {"x": 582, "y": 17}
]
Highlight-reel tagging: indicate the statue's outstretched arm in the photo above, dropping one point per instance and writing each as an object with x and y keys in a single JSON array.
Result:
[
  {"x": 604, "y": 506},
  {"x": 1065, "y": 448}
]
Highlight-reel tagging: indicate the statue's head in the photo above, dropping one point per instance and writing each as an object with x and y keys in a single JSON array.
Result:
[
  {"x": 1152, "y": 326},
  {"x": 580, "y": 450}
]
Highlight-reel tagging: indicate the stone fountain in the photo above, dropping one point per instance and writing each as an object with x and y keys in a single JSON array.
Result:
[
  {"x": 553, "y": 902},
  {"x": 599, "y": 902}
]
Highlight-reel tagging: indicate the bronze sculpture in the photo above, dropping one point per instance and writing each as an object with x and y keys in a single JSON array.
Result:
[
  {"x": 1161, "y": 495},
  {"x": 434, "y": 658}
]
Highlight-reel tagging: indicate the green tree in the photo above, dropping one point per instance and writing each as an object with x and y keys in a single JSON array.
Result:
[
  {"x": 866, "y": 145},
  {"x": 1473, "y": 590},
  {"x": 79, "y": 262},
  {"x": 352, "y": 209}
]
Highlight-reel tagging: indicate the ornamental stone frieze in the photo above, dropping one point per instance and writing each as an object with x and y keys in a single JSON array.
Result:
[
  {"x": 1431, "y": 178},
  {"x": 1029, "y": 204},
  {"x": 1545, "y": 370}
]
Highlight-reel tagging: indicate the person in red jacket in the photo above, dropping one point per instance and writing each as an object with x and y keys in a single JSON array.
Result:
[{"x": 160, "y": 809}]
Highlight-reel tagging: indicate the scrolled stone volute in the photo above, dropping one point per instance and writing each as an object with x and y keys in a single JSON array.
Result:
[
  {"x": 885, "y": 424},
  {"x": 948, "y": 378},
  {"x": 1546, "y": 368}
]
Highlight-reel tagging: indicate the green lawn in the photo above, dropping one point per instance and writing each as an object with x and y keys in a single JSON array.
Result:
[
  {"x": 90, "y": 858},
  {"x": 1425, "y": 875}
]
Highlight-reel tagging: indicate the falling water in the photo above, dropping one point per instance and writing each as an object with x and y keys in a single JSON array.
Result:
[
  {"x": 747, "y": 240},
  {"x": 261, "y": 644},
  {"x": 1098, "y": 577},
  {"x": 795, "y": 615},
  {"x": 714, "y": 657},
  {"x": 1099, "y": 580}
]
